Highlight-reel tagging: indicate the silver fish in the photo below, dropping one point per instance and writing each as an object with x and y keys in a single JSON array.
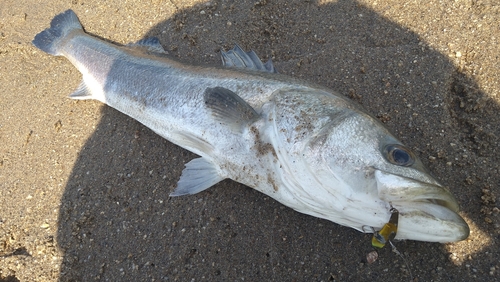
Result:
[{"x": 301, "y": 144}]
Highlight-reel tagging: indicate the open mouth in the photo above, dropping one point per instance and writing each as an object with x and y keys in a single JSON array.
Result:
[
  {"x": 427, "y": 212},
  {"x": 453, "y": 206},
  {"x": 394, "y": 188}
]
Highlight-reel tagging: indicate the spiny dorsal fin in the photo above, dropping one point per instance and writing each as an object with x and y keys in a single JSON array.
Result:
[
  {"x": 236, "y": 57},
  {"x": 198, "y": 175},
  {"x": 229, "y": 108},
  {"x": 151, "y": 44}
]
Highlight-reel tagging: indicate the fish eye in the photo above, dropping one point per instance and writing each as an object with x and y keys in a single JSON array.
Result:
[{"x": 399, "y": 155}]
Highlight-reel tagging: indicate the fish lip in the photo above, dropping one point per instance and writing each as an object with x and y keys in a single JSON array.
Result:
[
  {"x": 426, "y": 221},
  {"x": 394, "y": 188}
]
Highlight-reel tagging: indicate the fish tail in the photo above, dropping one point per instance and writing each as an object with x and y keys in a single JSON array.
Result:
[{"x": 50, "y": 39}]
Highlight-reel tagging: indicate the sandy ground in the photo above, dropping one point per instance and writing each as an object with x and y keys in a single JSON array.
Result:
[{"x": 84, "y": 189}]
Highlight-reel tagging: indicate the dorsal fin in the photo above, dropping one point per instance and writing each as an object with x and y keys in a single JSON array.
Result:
[
  {"x": 150, "y": 44},
  {"x": 229, "y": 108},
  {"x": 236, "y": 57}
]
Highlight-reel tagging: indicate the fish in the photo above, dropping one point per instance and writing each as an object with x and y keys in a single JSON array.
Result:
[{"x": 302, "y": 144}]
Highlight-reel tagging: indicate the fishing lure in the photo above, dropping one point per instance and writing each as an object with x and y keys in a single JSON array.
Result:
[{"x": 388, "y": 232}]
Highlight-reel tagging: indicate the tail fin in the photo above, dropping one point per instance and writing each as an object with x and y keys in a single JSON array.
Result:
[{"x": 62, "y": 24}]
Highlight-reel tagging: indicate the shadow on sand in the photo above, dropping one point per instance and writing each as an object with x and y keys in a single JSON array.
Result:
[{"x": 117, "y": 222}]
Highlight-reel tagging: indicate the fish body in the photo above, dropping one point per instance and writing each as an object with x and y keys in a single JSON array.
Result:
[{"x": 302, "y": 144}]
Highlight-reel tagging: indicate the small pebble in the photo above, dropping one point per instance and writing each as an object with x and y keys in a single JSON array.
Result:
[{"x": 371, "y": 257}]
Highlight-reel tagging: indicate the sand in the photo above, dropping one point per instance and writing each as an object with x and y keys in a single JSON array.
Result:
[{"x": 84, "y": 189}]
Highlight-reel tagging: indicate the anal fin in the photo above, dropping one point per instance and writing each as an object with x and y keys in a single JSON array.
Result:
[
  {"x": 198, "y": 175},
  {"x": 81, "y": 93}
]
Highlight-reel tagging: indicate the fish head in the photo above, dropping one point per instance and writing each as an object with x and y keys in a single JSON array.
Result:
[
  {"x": 376, "y": 172},
  {"x": 427, "y": 209}
]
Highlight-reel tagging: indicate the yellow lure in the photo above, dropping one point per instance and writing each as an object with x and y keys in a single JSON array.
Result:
[{"x": 388, "y": 232}]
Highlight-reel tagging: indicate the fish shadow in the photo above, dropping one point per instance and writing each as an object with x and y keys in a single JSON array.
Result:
[{"x": 117, "y": 221}]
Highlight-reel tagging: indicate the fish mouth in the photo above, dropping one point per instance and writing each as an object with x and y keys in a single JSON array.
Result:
[{"x": 427, "y": 211}]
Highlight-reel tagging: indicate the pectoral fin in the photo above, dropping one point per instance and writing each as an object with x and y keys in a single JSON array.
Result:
[
  {"x": 229, "y": 108},
  {"x": 199, "y": 174}
]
